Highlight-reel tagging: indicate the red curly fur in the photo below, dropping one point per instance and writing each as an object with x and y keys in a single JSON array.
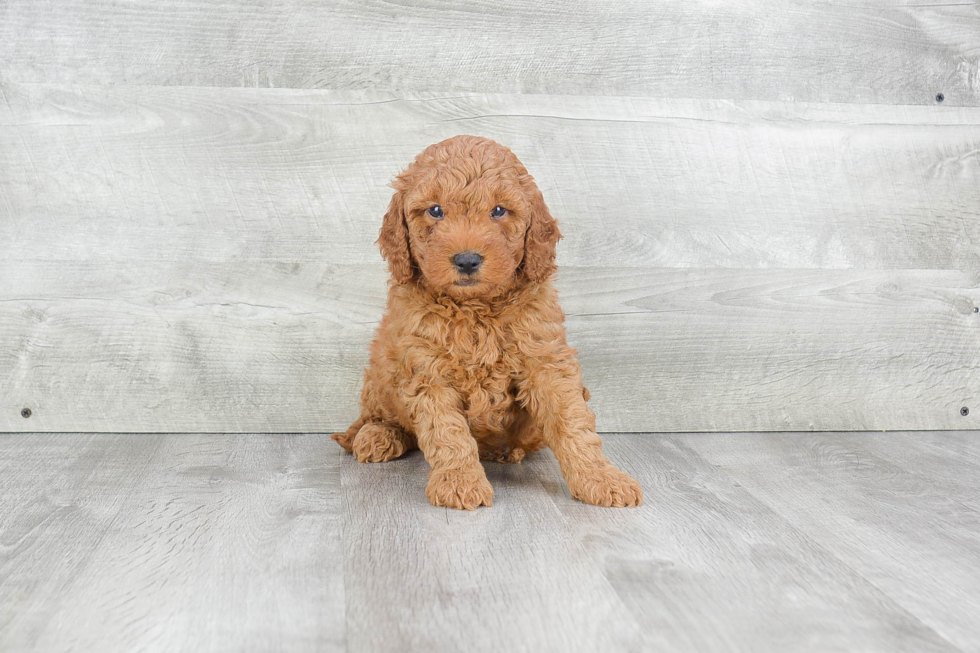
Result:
[{"x": 476, "y": 366}]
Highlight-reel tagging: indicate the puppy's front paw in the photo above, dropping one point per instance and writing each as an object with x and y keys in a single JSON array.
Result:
[
  {"x": 463, "y": 489},
  {"x": 606, "y": 486}
]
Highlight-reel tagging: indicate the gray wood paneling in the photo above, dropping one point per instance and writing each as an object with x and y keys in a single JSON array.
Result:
[
  {"x": 103, "y": 173},
  {"x": 517, "y": 577},
  {"x": 60, "y": 496},
  {"x": 745, "y": 542},
  {"x": 777, "y": 349},
  {"x": 865, "y": 51},
  {"x": 194, "y": 259},
  {"x": 276, "y": 345},
  {"x": 170, "y": 542},
  {"x": 202, "y": 258},
  {"x": 913, "y": 529},
  {"x": 715, "y": 568}
]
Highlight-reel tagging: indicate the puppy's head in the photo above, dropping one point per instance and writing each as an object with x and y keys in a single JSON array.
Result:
[{"x": 468, "y": 219}]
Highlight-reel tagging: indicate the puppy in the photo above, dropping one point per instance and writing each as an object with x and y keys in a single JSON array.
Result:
[{"x": 470, "y": 361}]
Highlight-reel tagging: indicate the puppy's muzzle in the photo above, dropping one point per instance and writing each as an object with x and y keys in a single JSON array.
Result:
[{"x": 467, "y": 262}]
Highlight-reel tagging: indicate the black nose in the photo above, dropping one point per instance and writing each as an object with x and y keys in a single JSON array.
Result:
[{"x": 467, "y": 262}]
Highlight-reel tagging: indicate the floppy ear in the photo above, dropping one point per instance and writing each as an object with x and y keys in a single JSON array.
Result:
[
  {"x": 393, "y": 241},
  {"x": 540, "y": 240}
]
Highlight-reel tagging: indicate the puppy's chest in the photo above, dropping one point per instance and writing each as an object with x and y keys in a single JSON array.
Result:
[
  {"x": 479, "y": 355},
  {"x": 482, "y": 365}
]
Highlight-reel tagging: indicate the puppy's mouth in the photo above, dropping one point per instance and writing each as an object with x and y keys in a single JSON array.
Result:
[{"x": 467, "y": 282}]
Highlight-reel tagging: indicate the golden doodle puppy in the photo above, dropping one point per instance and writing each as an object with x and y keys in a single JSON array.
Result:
[{"x": 470, "y": 360}]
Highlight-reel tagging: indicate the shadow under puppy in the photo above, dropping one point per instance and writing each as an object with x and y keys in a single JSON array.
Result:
[{"x": 470, "y": 360}]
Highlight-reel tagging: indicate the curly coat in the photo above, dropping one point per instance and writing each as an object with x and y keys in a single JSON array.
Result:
[{"x": 470, "y": 364}]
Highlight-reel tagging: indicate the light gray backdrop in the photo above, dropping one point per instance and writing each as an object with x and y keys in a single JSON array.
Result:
[{"x": 771, "y": 220}]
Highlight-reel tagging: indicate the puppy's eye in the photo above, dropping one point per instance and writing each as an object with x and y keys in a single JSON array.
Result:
[
  {"x": 498, "y": 212},
  {"x": 435, "y": 212}
]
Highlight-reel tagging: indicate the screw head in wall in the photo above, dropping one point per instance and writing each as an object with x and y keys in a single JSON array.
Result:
[
  {"x": 25, "y": 413},
  {"x": 964, "y": 411},
  {"x": 940, "y": 97}
]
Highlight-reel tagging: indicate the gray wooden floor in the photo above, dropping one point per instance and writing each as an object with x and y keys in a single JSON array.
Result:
[{"x": 749, "y": 542}]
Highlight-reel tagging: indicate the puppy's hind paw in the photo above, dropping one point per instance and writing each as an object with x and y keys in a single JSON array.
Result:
[
  {"x": 345, "y": 440},
  {"x": 379, "y": 443}
]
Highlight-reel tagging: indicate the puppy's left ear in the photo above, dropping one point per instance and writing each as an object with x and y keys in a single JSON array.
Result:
[
  {"x": 394, "y": 243},
  {"x": 540, "y": 240}
]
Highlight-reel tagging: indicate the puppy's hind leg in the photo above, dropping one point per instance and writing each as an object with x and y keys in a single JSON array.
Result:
[
  {"x": 374, "y": 441},
  {"x": 346, "y": 439},
  {"x": 379, "y": 442}
]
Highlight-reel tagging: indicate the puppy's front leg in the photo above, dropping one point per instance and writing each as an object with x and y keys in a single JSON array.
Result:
[
  {"x": 457, "y": 479},
  {"x": 555, "y": 400}
]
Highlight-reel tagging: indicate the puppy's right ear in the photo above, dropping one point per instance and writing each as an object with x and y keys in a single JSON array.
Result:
[{"x": 393, "y": 241}]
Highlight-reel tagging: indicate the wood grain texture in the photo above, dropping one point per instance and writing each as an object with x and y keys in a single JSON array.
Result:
[
  {"x": 510, "y": 578},
  {"x": 60, "y": 496},
  {"x": 746, "y": 542},
  {"x": 167, "y": 542},
  {"x": 203, "y": 259},
  {"x": 913, "y": 530},
  {"x": 865, "y": 51},
  {"x": 705, "y": 566},
  {"x": 272, "y": 346},
  {"x": 781, "y": 349},
  {"x": 108, "y": 173}
]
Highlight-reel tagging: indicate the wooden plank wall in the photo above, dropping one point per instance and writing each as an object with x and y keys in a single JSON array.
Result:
[{"x": 771, "y": 221}]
